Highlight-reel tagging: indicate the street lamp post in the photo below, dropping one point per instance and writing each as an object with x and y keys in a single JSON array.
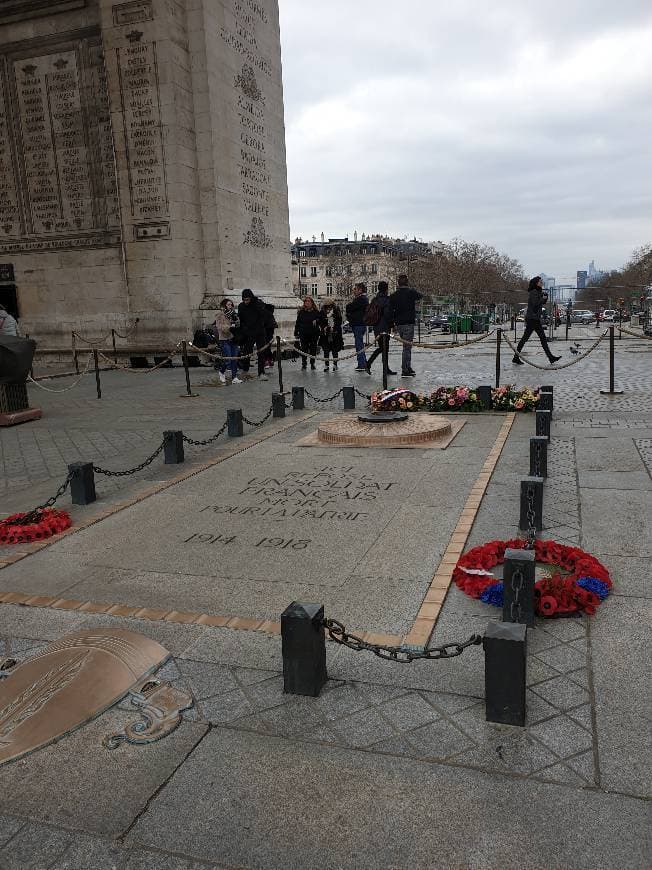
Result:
[{"x": 598, "y": 302}]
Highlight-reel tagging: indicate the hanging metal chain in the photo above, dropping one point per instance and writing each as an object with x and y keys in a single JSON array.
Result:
[
  {"x": 260, "y": 422},
  {"x": 129, "y": 471},
  {"x": 206, "y": 440},
  {"x": 362, "y": 395},
  {"x": 34, "y": 516},
  {"x": 537, "y": 460},
  {"x": 317, "y": 399},
  {"x": 338, "y": 633},
  {"x": 516, "y": 586},
  {"x": 531, "y": 517}
]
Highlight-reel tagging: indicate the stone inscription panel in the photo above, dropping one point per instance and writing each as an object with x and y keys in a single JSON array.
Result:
[
  {"x": 57, "y": 165},
  {"x": 137, "y": 65}
]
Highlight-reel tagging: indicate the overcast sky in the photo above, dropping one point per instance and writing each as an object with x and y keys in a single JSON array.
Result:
[{"x": 526, "y": 125}]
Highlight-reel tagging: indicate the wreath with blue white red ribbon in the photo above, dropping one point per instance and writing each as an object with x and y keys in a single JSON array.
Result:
[{"x": 579, "y": 586}]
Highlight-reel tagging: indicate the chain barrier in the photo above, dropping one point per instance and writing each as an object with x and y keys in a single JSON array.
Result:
[
  {"x": 553, "y": 368},
  {"x": 260, "y": 422},
  {"x": 361, "y": 394},
  {"x": 635, "y": 334},
  {"x": 443, "y": 346},
  {"x": 113, "y": 332},
  {"x": 315, "y": 357},
  {"x": 34, "y": 515},
  {"x": 148, "y": 461},
  {"x": 206, "y": 440},
  {"x": 531, "y": 517},
  {"x": 321, "y": 401},
  {"x": 516, "y": 586},
  {"x": 65, "y": 389},
  {"x": 241, "y": 356},
  {"x": 131, "y": 371},
  {"x": 338, "y": 633}
]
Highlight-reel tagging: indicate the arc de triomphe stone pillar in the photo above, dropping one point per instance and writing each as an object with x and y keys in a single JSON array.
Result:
[{"x": 142, "y": 163}]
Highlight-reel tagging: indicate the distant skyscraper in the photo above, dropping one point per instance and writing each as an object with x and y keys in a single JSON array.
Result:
[{"x": 582, "y": 280}]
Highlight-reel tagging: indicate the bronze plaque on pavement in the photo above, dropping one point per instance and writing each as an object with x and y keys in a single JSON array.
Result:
[{"x": 71, "y": 682}]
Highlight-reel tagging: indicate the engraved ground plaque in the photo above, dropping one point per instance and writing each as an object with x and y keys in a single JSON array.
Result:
[{"x": 71, "y": 682}]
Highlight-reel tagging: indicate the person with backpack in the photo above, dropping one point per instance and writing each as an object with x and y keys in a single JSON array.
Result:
[
  {"x": 253, "y": 324},
  {"x": 403, "y": 315},
  {"x": 355, "y": 312},
  {"x": 306, "y": 329},
  {"x": 378, "y": 317},
  {"x": 330, "y": 332}
]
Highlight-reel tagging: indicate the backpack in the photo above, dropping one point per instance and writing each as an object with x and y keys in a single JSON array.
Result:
[
  {"x": 200, "y": 338},
  {"x": 373, "y": 314}
]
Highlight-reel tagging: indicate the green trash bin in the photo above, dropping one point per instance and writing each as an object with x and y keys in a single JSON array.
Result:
[{"x": 466, "y": 323}]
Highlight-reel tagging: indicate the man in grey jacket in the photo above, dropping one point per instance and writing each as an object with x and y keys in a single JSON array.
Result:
[{"x": 537, "y": 298}]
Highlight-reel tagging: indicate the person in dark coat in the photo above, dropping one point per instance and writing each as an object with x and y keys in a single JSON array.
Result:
[
  {"x": 383, "y": 325},
  {"x": 536, "y": 299},
  {"x": 253, "y": 318},
  {"x": 355, "y": 312},
  {"x": 403, "y": 313},
  {"x": 306, "y": 329},
  {"x": 330, "y": 332},
  {"x": 270, "y": 326}
]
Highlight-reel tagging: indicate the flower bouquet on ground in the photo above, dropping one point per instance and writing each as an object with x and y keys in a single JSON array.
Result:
[
  {"x": 454, "y": 399},
  {"x": 25, "y": 528},
  {"x": 398, "y": 400},
  {"x": 509, "y": 399}
]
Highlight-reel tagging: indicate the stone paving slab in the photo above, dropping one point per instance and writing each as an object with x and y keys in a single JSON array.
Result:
[{"x": 269, "y": 782}]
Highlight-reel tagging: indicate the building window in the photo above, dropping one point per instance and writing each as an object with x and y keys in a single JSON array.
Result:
[
  {"x": 303, "y": 289},
  {"x": 329, "y": 271},
  {"x": 374, "y": 269},
  {"x": 302, "y": 253},
  {"x": 374, "y": 286},
  {"x": 339, "y": 288},
  {"x": 364, "y": 250},
  {"x": 313, "y": 289},
  {"x": 313, "y": 271},
  {"x": 302, "y": 272},
  {"x": 329, "y": 289},
  {"x": 349, "y": 270},
  {"x": 363, "y": 268}
]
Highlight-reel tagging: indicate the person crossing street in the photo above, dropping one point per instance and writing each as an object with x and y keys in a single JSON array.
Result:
[{"x": 537, "y": 298}]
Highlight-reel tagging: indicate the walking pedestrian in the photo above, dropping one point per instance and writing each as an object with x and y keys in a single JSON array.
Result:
[
  {"x": 537, "y": 298},
  {"x": 330, "y": 332},
  {"x": 403, "y": 315},
  {"x": 379, "y": 318},
  {"x": 227, "y": 324},
  {"x": 253, "y": 318},
  {"x": 306, "y": 329},
  {"x": 355, "y": 312}
]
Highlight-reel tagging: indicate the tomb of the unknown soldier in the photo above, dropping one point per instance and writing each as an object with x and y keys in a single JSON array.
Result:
[{"x": 332, "y": 615}]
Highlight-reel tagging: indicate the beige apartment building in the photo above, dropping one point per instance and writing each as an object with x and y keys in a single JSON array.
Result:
[{"x": 330, "y": 268}]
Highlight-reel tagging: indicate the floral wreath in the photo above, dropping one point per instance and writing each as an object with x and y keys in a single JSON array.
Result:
[
  {"x": 48, "y": 522},
  {"x": 582, "y": 589}
]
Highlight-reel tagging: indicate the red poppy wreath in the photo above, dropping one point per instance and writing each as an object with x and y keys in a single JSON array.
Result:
[
  {"x": 584, "y": 585},
  {"x": 45, "y": 523}
]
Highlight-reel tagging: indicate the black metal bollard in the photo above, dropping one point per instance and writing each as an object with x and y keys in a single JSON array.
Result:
[
  {"x": 505, "y": 650},
  {"x": 531, "y": 500},
  {"x": 499, "y": 337},
  {"x": 98, "y": 386},
  {"x": 518, "y": 586},
  {"x": 82, "y": 484},
  {"x": 547, "y": 388},
  {"x": 348, "y": 394},
  {"x": 303, "y": 644},
  {"x": 279, "y": 362},
  {"x": 298, "y": 398},
  {"x": 278, "y": 405},
  {"x": 484, "y": 395},
  {"x": 235, "y": 427},
  {"x": 545, "y": 402},
  {"x": 543, "y": 423},
  {"x": 539, "y": 456},
  {"x": 612, "y": 391},
  {"x": 173, "y": 447}
]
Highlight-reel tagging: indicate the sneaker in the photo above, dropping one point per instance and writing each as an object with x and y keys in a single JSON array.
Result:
[
  {"x": 263, "y": 378},
  {"x": 518, "y": 361},
  {"x": 236, "y": 381},
  {"x": 222, "y": 377},
  {"x": 408, "y": 374},
  {"x": 554, "y": 359},
  {"x": 390, "y": 372},
  {"x": 361, "y": 369}
]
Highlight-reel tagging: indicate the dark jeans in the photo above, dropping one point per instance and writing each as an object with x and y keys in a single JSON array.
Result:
[
  {"x": 247, "y": 347},
  {"x": 406, "y": 331},
  {"x": 383, "y": 343},
  {"x": 358, "y": 336},
  {"x": 308, "y": 344},
  {"x": 530, "y": 327}
]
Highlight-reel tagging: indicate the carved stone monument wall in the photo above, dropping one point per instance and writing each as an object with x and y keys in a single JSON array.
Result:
[{"x": 142, "y": 162}]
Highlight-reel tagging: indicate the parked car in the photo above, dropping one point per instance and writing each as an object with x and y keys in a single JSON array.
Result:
[
  {"x": 609, "y": 315},
  {"x": 437, "y": 321},
  {"x": 581, "y": 315}
]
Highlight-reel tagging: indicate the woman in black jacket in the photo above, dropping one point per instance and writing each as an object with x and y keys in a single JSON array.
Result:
[
  {"x": 330, "y": 332},
  {"x": 306, "y": 329},
  {"x": 383, "y": 325}
]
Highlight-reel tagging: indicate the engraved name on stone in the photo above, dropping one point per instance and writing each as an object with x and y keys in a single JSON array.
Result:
[
  {"x": 142, "y": 118},
  {"x": 52, "y": 131},
  {"x": 10, "y": 217},
  {"x": 102, "y": 137},
  {"x": 130, "y": 13}
]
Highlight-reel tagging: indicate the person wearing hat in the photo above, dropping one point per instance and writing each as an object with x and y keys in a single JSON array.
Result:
[{"x": 253, "y": 320}]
